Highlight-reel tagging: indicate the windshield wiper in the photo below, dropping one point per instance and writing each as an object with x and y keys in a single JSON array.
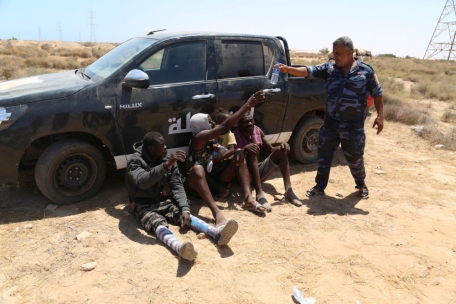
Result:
[{"x": 80, "y": 72}]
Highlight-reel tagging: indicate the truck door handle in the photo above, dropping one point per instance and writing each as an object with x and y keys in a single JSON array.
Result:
[
  {"x": 277, "y": 90},
  {"x": 203, "y": 96}
]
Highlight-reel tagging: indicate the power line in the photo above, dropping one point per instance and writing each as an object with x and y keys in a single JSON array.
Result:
[
  {"x": 444, "y": 26},
  {"x": 92, "y": 28}
]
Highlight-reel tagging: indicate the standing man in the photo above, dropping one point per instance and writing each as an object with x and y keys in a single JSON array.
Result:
[
  {"x": 157, "y": 196},
  {"x": 348, "y": 81}
]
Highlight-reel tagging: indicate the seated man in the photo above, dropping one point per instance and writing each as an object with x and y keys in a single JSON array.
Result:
[
  {"x": 251, "y": 139},
  {"x": 200, "y": 178},
  {"x": 224, "y": 148},
  {"x": 157, "y": 196}
]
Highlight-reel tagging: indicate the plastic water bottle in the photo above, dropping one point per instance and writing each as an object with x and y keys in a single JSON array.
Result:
[
  {"x": 222, "y": 151},
  {"x": 275, "y": 73},
  {"x": 210, "y": 164}
]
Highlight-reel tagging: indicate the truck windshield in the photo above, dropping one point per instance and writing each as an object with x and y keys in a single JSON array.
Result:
[{"x": 109, "y": 63}]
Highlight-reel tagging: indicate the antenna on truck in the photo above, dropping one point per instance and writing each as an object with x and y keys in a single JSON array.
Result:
[{"x": 151, "y": 33}]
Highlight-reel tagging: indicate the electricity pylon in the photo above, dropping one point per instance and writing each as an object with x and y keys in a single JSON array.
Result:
[
  {"x": 92, "y": 28},
  {"x": 446, "y": 30}
]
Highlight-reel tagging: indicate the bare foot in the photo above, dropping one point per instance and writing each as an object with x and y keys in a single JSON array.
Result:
[{"x": 291, "y": 196}]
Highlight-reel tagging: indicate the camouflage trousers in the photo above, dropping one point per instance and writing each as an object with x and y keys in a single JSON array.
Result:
[
  {"x": 350, "y": 135},
  {"x": 155, "y": 212}
]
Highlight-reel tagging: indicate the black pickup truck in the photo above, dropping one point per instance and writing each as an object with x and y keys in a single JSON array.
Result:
[{"x": 70, "y": 125}]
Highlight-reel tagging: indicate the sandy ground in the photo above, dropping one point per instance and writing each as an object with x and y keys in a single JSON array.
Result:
[{"x": 399, "y": 246}]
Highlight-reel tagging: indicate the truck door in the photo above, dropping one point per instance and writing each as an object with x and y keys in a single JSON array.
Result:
[
  {"x": 178, "y": 89},
  {"x": 245, "y": 67}
]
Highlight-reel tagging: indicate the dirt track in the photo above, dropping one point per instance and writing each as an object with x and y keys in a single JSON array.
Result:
[{"x": 399, "y": 246}]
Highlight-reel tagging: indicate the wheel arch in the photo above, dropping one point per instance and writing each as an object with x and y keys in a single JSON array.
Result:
[
  {"x": 312, "y": 113},
  {"x": 39, "y": 144}
]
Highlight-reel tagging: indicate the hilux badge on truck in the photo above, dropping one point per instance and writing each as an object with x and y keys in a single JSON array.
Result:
[
  {"x": 131, "y": 106},
  {"x": 4, "y": 116}
]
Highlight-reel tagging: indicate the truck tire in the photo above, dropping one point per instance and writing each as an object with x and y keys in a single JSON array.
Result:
[
  {"x": 304, "y": 140},
  {"x": 70, "y": 171}
]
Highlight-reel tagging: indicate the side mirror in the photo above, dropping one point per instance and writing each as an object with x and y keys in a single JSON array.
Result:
[{"x": 136, "y": 79}]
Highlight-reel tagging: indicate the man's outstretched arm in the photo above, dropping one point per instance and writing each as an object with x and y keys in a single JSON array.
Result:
[{"x": 301, "y": 71}]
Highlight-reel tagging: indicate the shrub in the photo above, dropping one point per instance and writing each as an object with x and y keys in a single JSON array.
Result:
[
  {"x": 405, "y": 113},
  {"x": 449, "y": 116},
  {"x": 435, "y": 137},
  {"x": 6, "y": 73},
  {"x": 387, "y": 55},
  {"x": 97, "y": 52},
  {"x": 324, "y": 51},
  {"x": 88, "y": 44}
]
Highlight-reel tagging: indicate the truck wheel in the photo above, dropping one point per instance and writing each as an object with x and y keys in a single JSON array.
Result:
[
  {"x": 70, "y": 171},
  {"x": 304, "y": 140}
]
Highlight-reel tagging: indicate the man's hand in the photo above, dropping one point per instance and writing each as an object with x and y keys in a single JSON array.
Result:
[
  {"x": 285, "y": 148},
  {"x": 283, "y": 68},
  {"x": 185, "y": 220},
  {"x": 253, "y": 148},
  {"x": 256, "y": 98},
  {"x": 176, "y": 156},
  {"x": 379, "y": 122},
  {"x": 238, "y": 157}
]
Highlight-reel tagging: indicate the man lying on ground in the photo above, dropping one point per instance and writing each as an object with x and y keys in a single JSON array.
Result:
[
  {"x": 251, "y": 139},
  {"x": 157, "y": 196}
]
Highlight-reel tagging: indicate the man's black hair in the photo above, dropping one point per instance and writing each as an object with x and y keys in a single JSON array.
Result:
[
  {"x": 221, "y": 112},
  {"x": 247, "y": 114},
  {"x": 151, "y": 138}
]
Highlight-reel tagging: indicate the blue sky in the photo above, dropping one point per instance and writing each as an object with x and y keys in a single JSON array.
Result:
[{"x": 401, "y": 27}]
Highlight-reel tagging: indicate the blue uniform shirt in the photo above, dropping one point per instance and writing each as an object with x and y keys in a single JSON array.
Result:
[{"x": 346, "y": 99}]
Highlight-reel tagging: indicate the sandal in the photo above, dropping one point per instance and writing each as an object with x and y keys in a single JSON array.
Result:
[
  {"x": 264, "y": 202},
  {"x": 312, "y": 193},
  {"x": 364, "y": 194},
  {"x": 257, "y": 207}
]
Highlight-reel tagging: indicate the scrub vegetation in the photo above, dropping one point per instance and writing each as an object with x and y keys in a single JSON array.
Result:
[
  {"x": 28, "y": 58},
  {"x": 411, "y": 86}
]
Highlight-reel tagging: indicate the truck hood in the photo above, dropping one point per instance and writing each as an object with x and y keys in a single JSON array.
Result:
[{"x": 41, "y": 87}]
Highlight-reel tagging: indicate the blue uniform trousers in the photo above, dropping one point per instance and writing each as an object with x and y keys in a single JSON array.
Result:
[{"x": 350, "y": 135}]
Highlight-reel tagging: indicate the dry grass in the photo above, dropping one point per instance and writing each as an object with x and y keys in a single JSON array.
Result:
[
  {"x": 449, "y": 116},
  {"x": 20, "y": 59},
  {"x": 435, "y": 137}
]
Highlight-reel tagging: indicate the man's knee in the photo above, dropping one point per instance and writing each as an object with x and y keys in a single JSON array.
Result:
[
  {"x": 151, "y": 220},
  {"x": 197, "y": 172}
]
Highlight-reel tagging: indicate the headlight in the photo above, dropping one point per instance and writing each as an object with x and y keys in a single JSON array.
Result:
[{"x": 9, "y": 114}]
